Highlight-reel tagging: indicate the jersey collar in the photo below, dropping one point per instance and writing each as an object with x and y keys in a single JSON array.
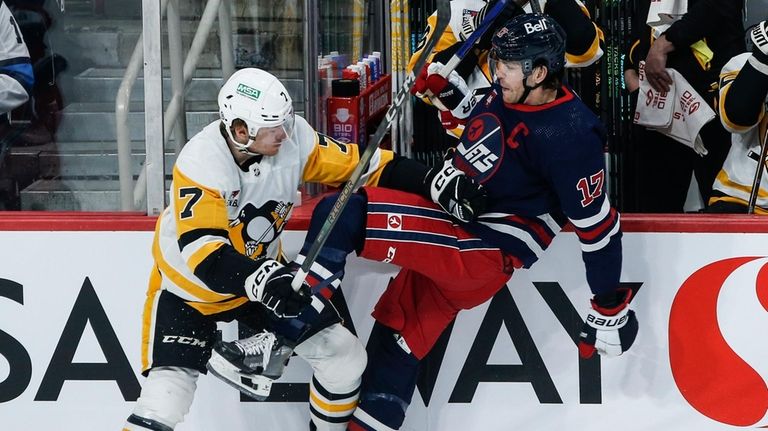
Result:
[{"x": 563, "y": 95}]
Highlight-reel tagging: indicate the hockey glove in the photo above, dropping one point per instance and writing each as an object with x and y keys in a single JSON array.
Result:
[
  {"x": 270, "y": 284},
  {"x": 759, "y": 36},
  {"x": 611, "y": 327},
  {"x": 451, "y": 96},
  {"x": 457, "y": 194}
]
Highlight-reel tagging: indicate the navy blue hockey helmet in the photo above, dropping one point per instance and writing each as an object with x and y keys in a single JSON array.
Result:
[{"x": 530, "y": 39}]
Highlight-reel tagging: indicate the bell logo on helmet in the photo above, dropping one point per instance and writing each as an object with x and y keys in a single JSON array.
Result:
[
  {"x": 249, "y": 92},
  {"x": 531, "y": 28}
]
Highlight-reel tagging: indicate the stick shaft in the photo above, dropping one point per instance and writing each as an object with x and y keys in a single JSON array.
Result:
[
  {"x": 758, "y": 176},
  {"x": 443, "y": 18}
]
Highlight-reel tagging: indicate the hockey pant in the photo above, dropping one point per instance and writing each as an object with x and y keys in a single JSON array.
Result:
[
  {"x": 176, "y": 344},
  {"x": 444, "y": 269}
]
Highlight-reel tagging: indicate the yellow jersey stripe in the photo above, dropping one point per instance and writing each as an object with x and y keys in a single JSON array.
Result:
[
  {"x": 723, "y": 177},
  {"x": 179, "y": 280},
  {"x": 153, "y": 291},
  {"x": 218, "y": 307},
  {"x": 590, "y": 53},
  {"x": 202, "y": 252},
  {"x": 733, "y": 127}
]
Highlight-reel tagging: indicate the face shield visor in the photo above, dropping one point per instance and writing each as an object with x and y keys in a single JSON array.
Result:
[
  {"x": 281, "y": 132},
  {"x": 495, "y": 64}
]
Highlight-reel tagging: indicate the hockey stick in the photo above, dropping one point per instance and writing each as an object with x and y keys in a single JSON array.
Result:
[
  {"x": 758, "y": 176},
  {"x": 473, "y": 38},
  {"x": 535, "y": 6},
  {"x": 443, "y": 18}
]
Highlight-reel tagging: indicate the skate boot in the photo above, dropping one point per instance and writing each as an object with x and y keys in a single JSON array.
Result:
[{"x": 251, "y": 364}]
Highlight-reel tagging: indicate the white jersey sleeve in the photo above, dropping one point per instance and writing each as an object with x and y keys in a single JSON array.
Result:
[{"x": 16, "y": 77}]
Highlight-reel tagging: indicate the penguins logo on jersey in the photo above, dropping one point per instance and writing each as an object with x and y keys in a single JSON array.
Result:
[
  {"x": 481, "y": 148},
  {"x": 256, "y": 228}
]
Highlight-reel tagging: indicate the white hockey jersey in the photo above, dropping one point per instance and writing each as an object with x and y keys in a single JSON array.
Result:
[
  {"x": 736, "y": 177},
  {"x": 15, "y": 68},
  {"x": 461, "y": 25},
  {"x": 214, "y": 203}
]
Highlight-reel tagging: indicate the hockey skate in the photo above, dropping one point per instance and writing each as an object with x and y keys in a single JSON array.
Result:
[{"x": 250, "y": 365}]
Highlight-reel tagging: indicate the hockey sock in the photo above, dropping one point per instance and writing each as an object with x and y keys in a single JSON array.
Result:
[
  {"x": 347, "y": 235},
  {"x": 331, "y": 411},
  {"x": 388, "y": 382}
]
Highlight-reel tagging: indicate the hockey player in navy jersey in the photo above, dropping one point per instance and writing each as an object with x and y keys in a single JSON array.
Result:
[{"x": 537, "y": 150}]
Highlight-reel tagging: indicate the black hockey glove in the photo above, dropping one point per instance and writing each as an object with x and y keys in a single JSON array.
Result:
[
  {"x": 457, "y": 194},
  {"x": 759, "y": 37},
  {"x": 611, "y": 327},
  {"x": 270, "y": 284}
]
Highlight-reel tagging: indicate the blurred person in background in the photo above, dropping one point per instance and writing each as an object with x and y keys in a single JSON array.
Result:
[
  {"x": 743, "y": 98},
  {"x": 697, "y": 46}
]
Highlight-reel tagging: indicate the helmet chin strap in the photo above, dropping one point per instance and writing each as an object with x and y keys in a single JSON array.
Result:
[
  {"x": 528, "y": 88},
  {"x": 240, "y": 147},
  {"x": 244, "y": 148}
]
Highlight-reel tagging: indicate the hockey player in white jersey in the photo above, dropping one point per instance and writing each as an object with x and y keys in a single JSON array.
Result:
[
  {"x": 218, "y": 258},
  {"x": 16, "y": 77},
  {"x": 742, "y": 106},
  {"x": 472, "y": 79}
]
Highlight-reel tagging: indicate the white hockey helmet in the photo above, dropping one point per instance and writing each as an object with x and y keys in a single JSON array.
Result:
[{"x": 259, "y": 99}]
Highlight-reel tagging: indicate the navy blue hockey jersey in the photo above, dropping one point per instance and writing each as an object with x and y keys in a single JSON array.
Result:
[{"x": 543, "y": 166}]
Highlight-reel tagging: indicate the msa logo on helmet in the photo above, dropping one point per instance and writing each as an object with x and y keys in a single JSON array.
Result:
[
  {"x": 532, "y": 28},
  {"x": 249, "y": 92}
]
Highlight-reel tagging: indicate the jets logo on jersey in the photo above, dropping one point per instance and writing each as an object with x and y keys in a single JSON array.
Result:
[
  {"x": 481, "y": 147},
  {"x": 256, "y": 228}
]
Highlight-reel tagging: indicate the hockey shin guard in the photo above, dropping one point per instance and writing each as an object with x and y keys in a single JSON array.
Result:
[
  {"x": 165, "y": 399},
  {"x": 338, "y": 359}
]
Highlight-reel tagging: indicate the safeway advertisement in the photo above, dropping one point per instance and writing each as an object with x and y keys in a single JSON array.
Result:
[{"x": 70, "y": 310}]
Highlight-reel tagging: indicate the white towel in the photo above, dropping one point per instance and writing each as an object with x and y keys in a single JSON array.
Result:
[
  {"x": 663, "y": 13},
  {"x": 679, "y": 114}
]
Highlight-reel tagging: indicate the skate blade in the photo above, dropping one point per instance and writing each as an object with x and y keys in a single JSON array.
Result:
[
  {"x": 259, "y": 387},
  {"x": 260, "y": 392}
]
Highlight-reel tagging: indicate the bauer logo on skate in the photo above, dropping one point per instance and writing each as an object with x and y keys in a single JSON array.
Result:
[{"x": 706, "y": 351}]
